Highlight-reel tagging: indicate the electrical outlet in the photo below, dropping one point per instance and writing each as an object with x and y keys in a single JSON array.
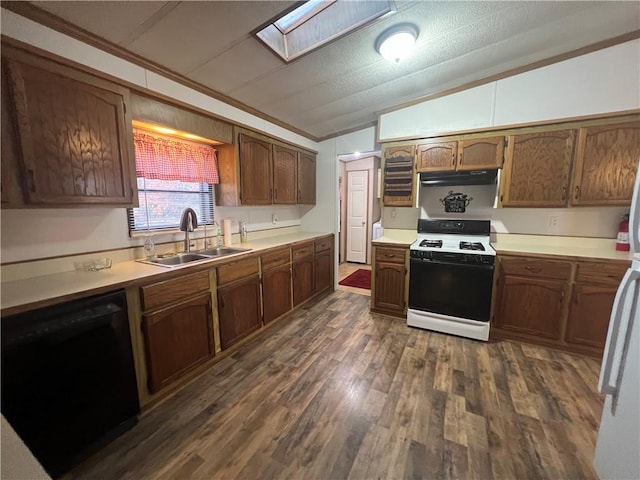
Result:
[
  {"x": 554, "y": 221},
  {"x": 274, "y": 218}
]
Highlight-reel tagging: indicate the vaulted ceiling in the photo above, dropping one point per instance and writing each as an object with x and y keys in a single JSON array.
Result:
[{"x": 342, "y": 85}]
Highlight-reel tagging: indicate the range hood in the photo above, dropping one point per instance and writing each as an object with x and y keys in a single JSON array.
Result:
[{"x": 471, "y": 177}]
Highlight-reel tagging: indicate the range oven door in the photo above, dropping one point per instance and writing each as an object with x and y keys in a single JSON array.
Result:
[{"x": 457, "y": 290}]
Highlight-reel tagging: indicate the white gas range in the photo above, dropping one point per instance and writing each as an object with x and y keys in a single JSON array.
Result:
[{"x": 451, "y": 277}]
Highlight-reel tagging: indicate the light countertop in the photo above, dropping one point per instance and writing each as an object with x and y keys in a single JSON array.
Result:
[
  {"x": 25, "y": 294},
  {"x": 510, "y": 243},
  {"x": 578, "y": 247}
]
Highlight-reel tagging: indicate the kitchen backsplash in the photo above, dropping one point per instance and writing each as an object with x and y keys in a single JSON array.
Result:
[
  {"x": 479, "y": 200},
  {"x": 40, "y": 233}
]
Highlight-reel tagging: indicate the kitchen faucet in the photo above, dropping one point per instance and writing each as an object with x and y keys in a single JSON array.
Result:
[{"x": 188, "y": 223}]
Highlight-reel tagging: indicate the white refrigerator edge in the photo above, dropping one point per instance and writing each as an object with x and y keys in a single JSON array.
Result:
[{"x": 617, "y": 454}]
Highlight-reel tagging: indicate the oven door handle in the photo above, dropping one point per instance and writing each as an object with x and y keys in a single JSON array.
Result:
[{"x": 478, "y": 266}]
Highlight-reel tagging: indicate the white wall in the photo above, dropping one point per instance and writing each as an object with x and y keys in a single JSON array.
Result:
[
  {"x": 603, "y": 81},
  {"x": 41, "y": 233},
  {"x": 600, "y": 222}
]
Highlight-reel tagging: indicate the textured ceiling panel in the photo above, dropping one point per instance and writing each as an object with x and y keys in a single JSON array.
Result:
[
  {"x": 196, "y": 32},
  {"x": 231, "y": 69},
  {"x": 114, "y": 21},
  {"x": 343, "y": 84}
]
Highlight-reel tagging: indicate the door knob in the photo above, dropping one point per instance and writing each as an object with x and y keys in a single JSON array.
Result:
[{"x": 364, "y": 223}]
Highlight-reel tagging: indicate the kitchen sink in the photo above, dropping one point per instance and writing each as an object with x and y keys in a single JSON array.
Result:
[
  {"x": 186, "y": 258},
  {"x": 177, "y": 260},
  {"x": 221, "y": 251}
]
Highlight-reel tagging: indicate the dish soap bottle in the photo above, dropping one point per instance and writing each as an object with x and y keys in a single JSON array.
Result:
[
  {"x": 218, "y": 237},
  {"x": 149, "y": 248},
  {"x": 243, "y": 232}
]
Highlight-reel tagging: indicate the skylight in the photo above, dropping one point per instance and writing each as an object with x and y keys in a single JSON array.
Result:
[{"x": 317, "y": 22}]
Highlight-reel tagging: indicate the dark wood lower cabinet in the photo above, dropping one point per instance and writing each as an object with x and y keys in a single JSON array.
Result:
[
  {"x": 303, "y": 279},
  {"x": 177, "y": 339},
  {"x": 323, "y": 269},
  {"x": 239, "y": 311},
  {"x": 588, "y": 319},
  {"x": 556, "y": 302},
  {"x": 531, "y": 306},
  {"x": 389, "y": 290},
  {"x": 276, "y": 292}
]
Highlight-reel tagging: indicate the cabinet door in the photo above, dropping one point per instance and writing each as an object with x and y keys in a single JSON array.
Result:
[
  {"x": 177, "y": 339},
  {"x": 389, "y": 290},
  {"x": 436, "y": 157},
  {"x": 75, "y": 138},
  {"x": 589, "y": 313},
  {"x": 306, "y": 178},
  {"x": 480, "y": 153},
  {"x": 399, "y": 176},
  {"x": 323, "y": 270},
  {"x": 606, "y": 164},
  {"x": 276, "y": 292},
  {"x": 239, "y": 310},
  {"x": 303, "y": 277},
  {"x": 284, "y": 175},
  {"x": 537, "y": 169},
  {"x": 531, "y": 306},
  {"x": 255, "y": 171}
]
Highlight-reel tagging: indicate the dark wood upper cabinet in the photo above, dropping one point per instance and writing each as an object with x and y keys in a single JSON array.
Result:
[
  {"x": 285, "y": 165},
  {"x": 255, "y": 171},
  {"x": 537, "y": 169},
  {"x": 73, "y": 131},
  {"x": 306, "y": 178},
  {"x": 606, "y": 164},
  {"x": 480, "y": 153},
  {"x": 436, "y": 156}
]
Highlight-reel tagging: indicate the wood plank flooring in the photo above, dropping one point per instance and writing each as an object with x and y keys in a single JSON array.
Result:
[{"x": 335, "y": 392}]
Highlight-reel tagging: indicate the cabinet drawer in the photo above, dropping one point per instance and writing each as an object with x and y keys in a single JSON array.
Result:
[
  {"x": 232, "y": 271},
  {"x": 302, "y": 250},
  {"x": 323, "y": 244},
  {"x": 390, "y": 255},
  {"x": 534, "y": 267},
  {"x": 170, "y": 291},
  {"x": 604, "y": 273},
  {"x": 275, "y": 259}
]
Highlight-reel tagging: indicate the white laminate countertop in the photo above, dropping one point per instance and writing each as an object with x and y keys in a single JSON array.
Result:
[
  {"x": 579, "y": 247},
  {"x": 22, "y": 295}
]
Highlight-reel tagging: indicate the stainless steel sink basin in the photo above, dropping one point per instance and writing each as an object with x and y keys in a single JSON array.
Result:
[
  {"x": 221, "y": 251},
  {"x": 177, "y": 260},
  {"x": 201, "y": 255}
]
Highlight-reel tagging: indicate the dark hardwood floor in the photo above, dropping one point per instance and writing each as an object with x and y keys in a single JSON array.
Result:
[{"x": 334, "y": 392}]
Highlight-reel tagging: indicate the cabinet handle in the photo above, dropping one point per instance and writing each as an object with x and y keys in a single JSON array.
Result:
[
  {"x": 275, "y": 193},
  {"x": 453, "y": 159},
  {"x": 564, "y": 193},
  {"x": 31, "y": 180},
  {"x": 533, "y": 269},
  {"x": 271, "y": 194},
  {"x": 460, "y": 159},
  {"x": 577, "y": 192}
]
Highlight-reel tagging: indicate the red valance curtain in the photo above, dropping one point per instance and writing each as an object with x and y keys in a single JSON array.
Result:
[{"x": 162, "y": 158}]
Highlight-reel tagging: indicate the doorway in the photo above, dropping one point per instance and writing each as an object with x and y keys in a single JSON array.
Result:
[
  {"x": 358, "y": 182},
  {"x": 357, "y": 203}
]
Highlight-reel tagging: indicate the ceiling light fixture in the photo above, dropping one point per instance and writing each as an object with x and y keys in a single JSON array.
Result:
[{"x": 396, "y": 43}]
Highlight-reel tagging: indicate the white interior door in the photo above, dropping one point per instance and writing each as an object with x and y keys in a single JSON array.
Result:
[{"x": 357, "y": 201}]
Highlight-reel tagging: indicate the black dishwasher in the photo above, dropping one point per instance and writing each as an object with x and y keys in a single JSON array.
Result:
[{"x": 68, "y": 380}]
